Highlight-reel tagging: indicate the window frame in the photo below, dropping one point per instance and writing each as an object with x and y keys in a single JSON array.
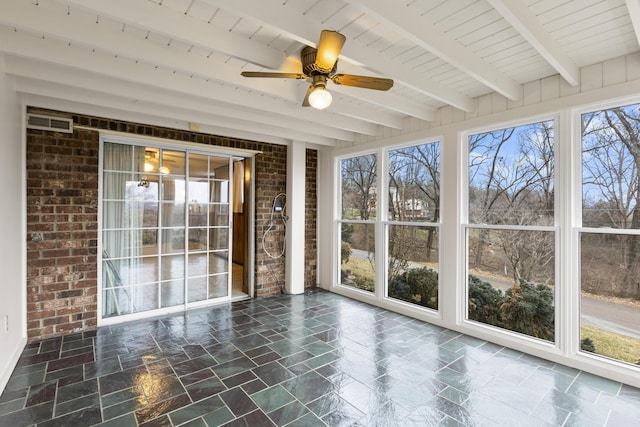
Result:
[
  {"x": 381, "y": 223},
  {"x": 338, "y": 221},
  {"x": 556, "y": 228},
  {"x": 577, "y": 229},
  {"x": 386, "y": 222}
]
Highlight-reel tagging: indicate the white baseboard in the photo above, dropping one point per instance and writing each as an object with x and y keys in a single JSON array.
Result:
[{"x": 11, "y": 364}]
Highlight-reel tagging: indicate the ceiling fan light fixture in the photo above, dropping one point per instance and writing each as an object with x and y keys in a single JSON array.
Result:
[
  {"x": 329, "y": 47},
  {"x": 320, "y": 98},
  {"x": 320, "y": 64}
]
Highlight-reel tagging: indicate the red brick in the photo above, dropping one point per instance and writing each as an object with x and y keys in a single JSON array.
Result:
[
  {"x": 55, "y": 287},
  {"x": 43, "y": 314}
]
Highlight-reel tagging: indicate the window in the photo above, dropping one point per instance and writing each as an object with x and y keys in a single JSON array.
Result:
[
  {"x": 412, "y": 228},
  {"x": 510, "y": 233},
  {"x": 357, "y": 224},
  {"x": 610, "y": 233}
]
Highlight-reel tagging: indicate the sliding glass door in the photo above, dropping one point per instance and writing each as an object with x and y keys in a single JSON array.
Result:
[{"x": 165, "y": 228}]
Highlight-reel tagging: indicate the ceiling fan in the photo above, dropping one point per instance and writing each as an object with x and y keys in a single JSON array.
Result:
[{"x": 320, "y": 65}]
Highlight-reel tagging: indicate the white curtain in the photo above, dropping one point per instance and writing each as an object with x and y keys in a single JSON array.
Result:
[
  {"x": 118, "y": 213},
  {"x": 238, "y": 186}
]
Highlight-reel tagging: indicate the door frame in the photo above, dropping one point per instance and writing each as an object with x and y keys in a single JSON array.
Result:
[{"x": 249, "y": 270}]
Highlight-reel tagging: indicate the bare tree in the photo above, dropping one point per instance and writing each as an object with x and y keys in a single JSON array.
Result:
[
  {"x": 611, "y": 162},
  {"x": 417, "y": 169},
  {"x": 359, "y": 175},
  {"x": 538, "y": 153},
  {"x": 511, "y": 182},
  {"x": 528, "y": 253}
]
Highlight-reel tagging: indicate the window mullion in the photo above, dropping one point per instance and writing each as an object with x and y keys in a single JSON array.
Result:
[{"x": 381, "y": 229}]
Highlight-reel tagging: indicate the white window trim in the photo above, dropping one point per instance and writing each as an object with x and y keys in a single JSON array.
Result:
[
  {"x": 601, "y": 363},
  {"x": 381, "y": 222},
  {"x": 463, "y": 303}
]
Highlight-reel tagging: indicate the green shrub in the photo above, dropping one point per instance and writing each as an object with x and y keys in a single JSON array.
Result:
[
  {"x": 345, "y": 252},
  {"x": 586, "y": 344},
  {"x": 417, "y": 285},
  {"x": 365, "y": 283},
  {"x": 347, "y": 231},
  {"x": 528, "y": 309},
  {"x": 484, "y": 302}
]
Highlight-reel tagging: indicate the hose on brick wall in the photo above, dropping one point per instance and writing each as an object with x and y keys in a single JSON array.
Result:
[{"x": 275, "y": 217}]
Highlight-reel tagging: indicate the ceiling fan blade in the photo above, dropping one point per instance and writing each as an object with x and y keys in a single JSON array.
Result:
[
  {"x": 273, "y": 75},
  {"x": 367, "y": 82},
  {"x": 305, "y": 102},
  {"x": 329, "y": 48}
]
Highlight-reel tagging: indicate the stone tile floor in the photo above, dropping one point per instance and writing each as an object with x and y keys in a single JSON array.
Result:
[{"x": 313, "y": 360}]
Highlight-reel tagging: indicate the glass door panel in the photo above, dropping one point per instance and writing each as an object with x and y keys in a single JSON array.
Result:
[
  {"x": 199, "y": 166},
  {"x": 173, "y": 162},
  {"x": 172, "y": 293},
  {"x": 165, "y": 228},
  {"x": 218, "y": 285},
  {"x": 208, "y": 228},
  {"x": 198, "y": 264},
  {"x": 197, "y": 289},
  {"x": 219, "y": 238},
  {"x": 218, "y": 262}
]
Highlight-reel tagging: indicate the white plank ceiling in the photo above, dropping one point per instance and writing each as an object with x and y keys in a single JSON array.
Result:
[{"x": 179, "y": 61}]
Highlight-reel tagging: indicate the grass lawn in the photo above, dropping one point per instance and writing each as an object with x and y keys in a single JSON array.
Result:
[
  {"x": 362, "y": 272},
  {"x": 610, "y": 344}
]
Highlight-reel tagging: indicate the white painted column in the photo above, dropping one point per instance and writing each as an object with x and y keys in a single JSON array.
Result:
[{"x": 296, "y": 195}]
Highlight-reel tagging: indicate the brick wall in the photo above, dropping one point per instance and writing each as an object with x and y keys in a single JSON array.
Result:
[
  {"x": 62, "y": 227},
  {"x": 272, "y": 170},
  {"x": 310, "y": 232},
  {"x": 62, "y": 232}
]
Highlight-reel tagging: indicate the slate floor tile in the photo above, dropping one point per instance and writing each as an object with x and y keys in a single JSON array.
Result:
[
  {"x": 76, "y": 390},
  {"x": 254, "y": 419},
  {"x": 11, "y": 406},
  {"x": 218, "y": 417},
  {"x": 273, "y": 373},
  {"x": 66, "y": 376},
  {"x": 288, "y": 413},
  {"x": 205, "y": 388},
  {"x": 123, "y": 396},
  {"x": 28, "y": 416},
  {"x": 41, "y": 393},
  {"x": 308, "y": 420},
  {"x": 233, "y": 367},
  {"x": 196, "y": 410},
  {"x": 238, "y": 379},
  {"x": 254, "y": 386},
  {"x": 308, "y": 387},
  {"x": 272, "y": 398},
  {"x": 197, "y": 376},
  {"x": 9, "y": 395},
  {"x": 158, "y": 409},
  {"x": 85, "y": 417},
  {"x": 300, "y": 361},
  {"x": 119, "y": 409},
  {"x": 238, "y": 401},
  {"x": 83, "y": 402}
]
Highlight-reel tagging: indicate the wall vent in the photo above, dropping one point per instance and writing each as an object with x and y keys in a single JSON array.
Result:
[{"x": 56, "y": 124}]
